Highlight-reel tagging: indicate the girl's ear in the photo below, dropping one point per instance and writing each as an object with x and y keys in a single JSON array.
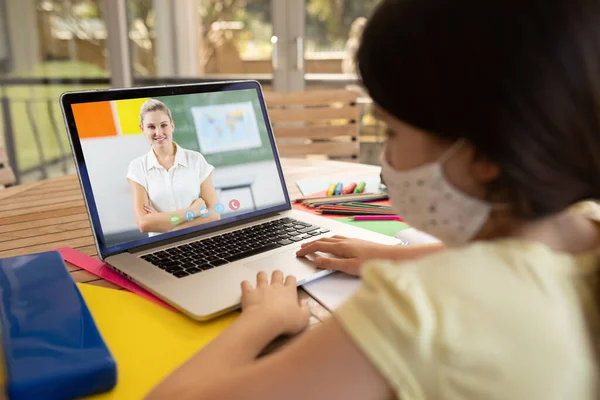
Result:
[{"x": 484, "y": 170}]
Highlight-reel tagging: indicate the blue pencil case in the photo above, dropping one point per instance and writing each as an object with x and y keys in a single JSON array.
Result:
[{"x": 51, "y": 346}]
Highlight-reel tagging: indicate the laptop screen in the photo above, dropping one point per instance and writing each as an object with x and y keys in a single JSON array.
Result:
[{"x": 163, "y": 166}]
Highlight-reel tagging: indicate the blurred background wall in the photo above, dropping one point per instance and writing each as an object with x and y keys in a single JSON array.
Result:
[{"x": 48, "y": 47}]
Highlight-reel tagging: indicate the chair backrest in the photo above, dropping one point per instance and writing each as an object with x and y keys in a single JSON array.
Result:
[
  {"x": 7, "y": 176},
  {"x": 321, "y": 123}
]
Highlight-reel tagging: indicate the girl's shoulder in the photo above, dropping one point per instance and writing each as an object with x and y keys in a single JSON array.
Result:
[
  {"x": 588, "y": 208},
  {"x": 501, "y": 265}
]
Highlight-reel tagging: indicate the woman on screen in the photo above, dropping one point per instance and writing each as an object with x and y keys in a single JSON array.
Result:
[{"x": 171, "y": 187}]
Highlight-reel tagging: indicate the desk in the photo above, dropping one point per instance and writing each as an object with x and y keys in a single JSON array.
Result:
[{"x": 48, "y": 214}]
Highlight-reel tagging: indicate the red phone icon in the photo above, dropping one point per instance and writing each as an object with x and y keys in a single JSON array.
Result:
[{"x": 234, "y": 204}]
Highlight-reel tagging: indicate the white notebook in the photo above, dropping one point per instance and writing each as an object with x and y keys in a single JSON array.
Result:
[{"x": 333, "y": 290}]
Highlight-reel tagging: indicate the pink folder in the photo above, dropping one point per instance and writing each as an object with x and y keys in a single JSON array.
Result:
[{"x": 100, "y": 269}]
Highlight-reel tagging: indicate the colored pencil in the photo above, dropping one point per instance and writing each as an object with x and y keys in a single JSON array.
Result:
[
  {"x": 353, "y": 212},
  {"x": 363, "y": 205},
  {"x": 341, "y": 212},
  {"x": 357, "y": 209},
  {"x": 377, "y": 218},
  {"x": 345, "y": 198},
  {"x": 320, "y": 203}
]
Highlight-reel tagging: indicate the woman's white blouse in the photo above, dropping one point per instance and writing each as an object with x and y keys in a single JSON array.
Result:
[{"x": 176, "y": 188}]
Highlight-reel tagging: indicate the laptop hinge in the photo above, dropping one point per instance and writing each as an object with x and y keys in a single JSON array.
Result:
[{"x": 192, "y": 235}]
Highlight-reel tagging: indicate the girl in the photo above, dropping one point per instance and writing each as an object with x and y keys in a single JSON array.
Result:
[{"x": 493, "y": 115}]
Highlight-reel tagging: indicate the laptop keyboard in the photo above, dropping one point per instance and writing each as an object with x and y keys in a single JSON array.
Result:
[{"x": 192, "y": 258}]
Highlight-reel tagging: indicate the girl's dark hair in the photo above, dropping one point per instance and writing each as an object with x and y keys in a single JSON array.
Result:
[{"x": 519, "y": 79}]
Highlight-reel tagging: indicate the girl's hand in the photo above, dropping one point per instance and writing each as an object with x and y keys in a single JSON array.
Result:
[
  {"x": 352, "y": 253},
  {"x": 277, "y": 300},
  {"x": 149, "y": 209}
]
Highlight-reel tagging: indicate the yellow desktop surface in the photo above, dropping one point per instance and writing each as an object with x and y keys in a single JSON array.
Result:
[{"x": 147, "y": 340}]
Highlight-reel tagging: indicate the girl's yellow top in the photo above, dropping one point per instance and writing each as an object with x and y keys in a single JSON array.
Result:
[{"x": 507, "y": 319}]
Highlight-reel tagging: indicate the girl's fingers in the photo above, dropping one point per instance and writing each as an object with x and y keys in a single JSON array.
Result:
[
  {"x": 349, "y": 265},
  {"x": 262, "y": 279},
  {"x": 290, "y": 280},
  {"x": 323, "y": 247},
  {"x": 326, "y": 240},
  {"x": 246, "y": 287},
  {"x": 277, "y": 277}
]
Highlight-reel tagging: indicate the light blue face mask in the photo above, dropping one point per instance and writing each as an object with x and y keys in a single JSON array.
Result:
[{"x": 424, "y": 198}]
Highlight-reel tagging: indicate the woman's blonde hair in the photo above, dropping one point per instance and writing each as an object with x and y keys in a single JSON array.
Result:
[{"x": 151, "y": 105}]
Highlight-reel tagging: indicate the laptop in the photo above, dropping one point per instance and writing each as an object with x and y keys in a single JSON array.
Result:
[{"x": 190, "y": 224}]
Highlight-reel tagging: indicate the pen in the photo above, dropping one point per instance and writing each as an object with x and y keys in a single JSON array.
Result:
[{"x": 377, "y": 218}]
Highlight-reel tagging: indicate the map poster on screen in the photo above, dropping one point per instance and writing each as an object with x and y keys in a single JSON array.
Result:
[{"x": 226, "y": 127}]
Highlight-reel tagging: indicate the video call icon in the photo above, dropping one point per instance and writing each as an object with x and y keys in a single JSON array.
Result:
[
  {"x": 189, "y": 215},
  {"x": 219, "y": 208},
  {"x": 204, "y": 212},
  {"x": 175, "y": 219}
]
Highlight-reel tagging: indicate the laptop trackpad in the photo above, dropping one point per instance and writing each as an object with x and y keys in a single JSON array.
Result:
[{"x": 287, "y": 262}]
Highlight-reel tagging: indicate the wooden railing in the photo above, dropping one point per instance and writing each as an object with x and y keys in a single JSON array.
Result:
[{"x": 28, "y": 123}]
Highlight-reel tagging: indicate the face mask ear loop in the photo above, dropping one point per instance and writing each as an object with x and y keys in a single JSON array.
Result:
[{"x": 450, "y": 152}]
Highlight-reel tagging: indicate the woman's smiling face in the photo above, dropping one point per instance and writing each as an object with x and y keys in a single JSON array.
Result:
[{"x": 158, "y": 128}]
